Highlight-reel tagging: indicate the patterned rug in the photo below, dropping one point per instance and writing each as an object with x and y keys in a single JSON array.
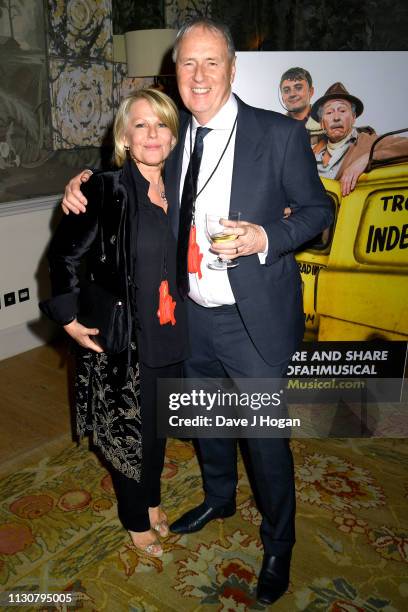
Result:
[{"x": 59, "y": 533}]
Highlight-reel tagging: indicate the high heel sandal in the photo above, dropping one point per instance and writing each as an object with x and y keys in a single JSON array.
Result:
[
  {"x": 162, "y": 528},
  {"x": 153, "y": 549}
]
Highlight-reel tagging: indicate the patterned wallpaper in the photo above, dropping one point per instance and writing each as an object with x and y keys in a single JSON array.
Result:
[
  {"x": 45, "y": 46},
  {"x": 80, "y": 52},
  {"x": 59, "y": 86},
  {"x": 178, "y": 11}
]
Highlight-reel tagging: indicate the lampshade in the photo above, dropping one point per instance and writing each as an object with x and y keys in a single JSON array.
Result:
[
  {"x": 149, "y": 52},
  {"x": 119, "y": 48}
]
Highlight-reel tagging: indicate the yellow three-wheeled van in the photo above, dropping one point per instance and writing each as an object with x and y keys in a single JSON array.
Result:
[{"x": 355, "y": 282}]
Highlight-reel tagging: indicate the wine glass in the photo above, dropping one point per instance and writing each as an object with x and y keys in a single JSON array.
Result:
[{"x": 219, "y": 233}]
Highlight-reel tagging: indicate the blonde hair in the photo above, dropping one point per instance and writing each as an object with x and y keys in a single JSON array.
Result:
[{"x": 161, "y": 104}]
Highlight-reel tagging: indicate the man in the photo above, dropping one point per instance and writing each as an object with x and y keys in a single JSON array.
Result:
[
  {"x": 296, "y": 89},
  {"x": 246, "y": 322},
  {"x": 344, "y": 152}
]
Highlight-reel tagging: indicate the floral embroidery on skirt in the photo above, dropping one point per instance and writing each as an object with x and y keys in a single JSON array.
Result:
[{"x": 108, "y": 407}]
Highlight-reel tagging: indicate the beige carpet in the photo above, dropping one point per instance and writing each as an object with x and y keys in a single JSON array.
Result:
[{"x": 59, "y": 532}]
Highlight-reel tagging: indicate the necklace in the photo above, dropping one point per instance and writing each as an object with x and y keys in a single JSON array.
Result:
[
  {"x": 159, "y": 187},
  {"x": 161, "y": 191}
]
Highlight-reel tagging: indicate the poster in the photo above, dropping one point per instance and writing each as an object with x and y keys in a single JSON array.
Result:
[{"x": 354, "y": 275}]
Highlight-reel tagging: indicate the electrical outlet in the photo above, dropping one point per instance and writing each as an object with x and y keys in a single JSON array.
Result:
[
  {"x": 23, "y": 294},
  {"x": 9, "y": 298}
]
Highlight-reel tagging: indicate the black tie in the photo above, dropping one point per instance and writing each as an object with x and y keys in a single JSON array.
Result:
[{"x": 186, "y": 210}]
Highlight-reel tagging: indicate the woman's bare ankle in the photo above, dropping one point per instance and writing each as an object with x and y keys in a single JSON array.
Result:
[
  {"x": 143, "y": 537},
  {"x": 157, "y": 515}
]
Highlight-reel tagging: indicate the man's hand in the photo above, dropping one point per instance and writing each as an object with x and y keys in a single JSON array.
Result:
[
  {"x": 82, "y": 335},
  {"x": 351, "y": 175},
  {"x": 251, "y": 239},
  {"x": 74, "y": 200}
]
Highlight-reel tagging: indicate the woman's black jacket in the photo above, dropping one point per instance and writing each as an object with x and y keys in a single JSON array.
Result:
[{"x": 100, "y": 237}]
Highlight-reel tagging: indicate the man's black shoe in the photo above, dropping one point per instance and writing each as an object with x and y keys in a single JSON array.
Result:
[
  {"x": 198, "y": 517},
  {"x": 274, "y": 578}
]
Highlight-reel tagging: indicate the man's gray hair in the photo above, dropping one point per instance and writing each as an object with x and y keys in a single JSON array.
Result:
[
  {"x": 320, "y": 109},
  {"x": 209, "y": 24}
]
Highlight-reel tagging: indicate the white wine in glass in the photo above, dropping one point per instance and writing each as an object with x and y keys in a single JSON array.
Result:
[
  {"x": 219, "y": 233},
  {"x": 223, "y": 237}
]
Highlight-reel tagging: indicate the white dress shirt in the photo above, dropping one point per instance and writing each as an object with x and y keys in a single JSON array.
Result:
[{"x": 214, "y": 288}]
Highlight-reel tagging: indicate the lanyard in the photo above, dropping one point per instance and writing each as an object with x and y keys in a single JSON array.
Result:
[{"x": 216, "y": 165}]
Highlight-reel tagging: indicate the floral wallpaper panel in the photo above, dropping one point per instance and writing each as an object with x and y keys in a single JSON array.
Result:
[
  {"x": 80, "y": 50},
  {"x": 81, "y": 103},
  {"x": 80, "y": 29}
]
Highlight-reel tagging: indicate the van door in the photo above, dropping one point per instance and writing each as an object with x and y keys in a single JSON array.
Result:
[
  {"x": 312, "y": 259},
  {"x": 363, "y": 288}
]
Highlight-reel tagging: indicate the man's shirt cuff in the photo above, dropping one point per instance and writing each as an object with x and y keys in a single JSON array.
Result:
[{"x": 262, "y": 256}]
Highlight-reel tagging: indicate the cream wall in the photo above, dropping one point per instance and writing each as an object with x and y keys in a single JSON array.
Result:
[{"x": 25, "y": 230}]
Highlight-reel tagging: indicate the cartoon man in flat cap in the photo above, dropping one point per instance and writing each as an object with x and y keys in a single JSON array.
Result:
[{"x": 344, "y": 151}]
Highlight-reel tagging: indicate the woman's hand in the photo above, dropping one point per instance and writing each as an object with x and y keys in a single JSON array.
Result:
[{"x": 82, "y": 335}]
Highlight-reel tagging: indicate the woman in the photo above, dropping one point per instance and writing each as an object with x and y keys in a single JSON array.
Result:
[{"x": 131, "y": 251}]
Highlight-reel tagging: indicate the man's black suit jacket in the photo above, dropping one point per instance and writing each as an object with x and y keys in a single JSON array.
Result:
[{"x": 274, "y": 167}]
